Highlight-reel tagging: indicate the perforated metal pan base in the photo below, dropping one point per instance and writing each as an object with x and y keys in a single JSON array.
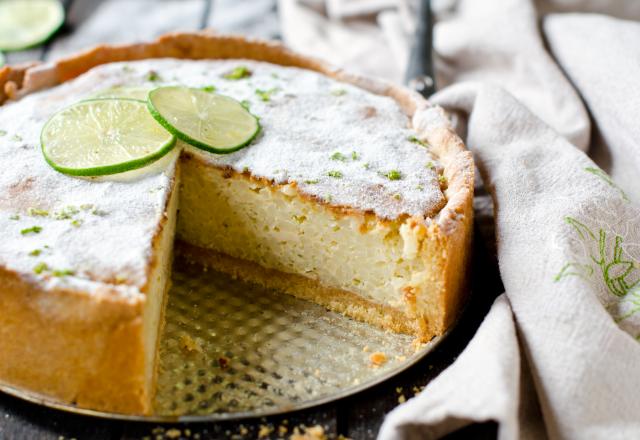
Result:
[{"x": 231, "y": 350}]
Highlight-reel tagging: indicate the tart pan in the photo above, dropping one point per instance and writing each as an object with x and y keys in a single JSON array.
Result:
[{"x": 231, "y": 350}]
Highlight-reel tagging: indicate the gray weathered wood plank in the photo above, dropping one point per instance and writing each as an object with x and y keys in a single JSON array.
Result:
[
  {"x": 120, "y": 21},
  {"x": 22, "y": 420},
  {"x": 256, "y": 18},
  {"x": 24, "y": 56}
]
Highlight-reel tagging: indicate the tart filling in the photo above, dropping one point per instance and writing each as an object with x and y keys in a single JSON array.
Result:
[
  {"x": 327, "y": 141},
  {"x": 337, "y": 200}
]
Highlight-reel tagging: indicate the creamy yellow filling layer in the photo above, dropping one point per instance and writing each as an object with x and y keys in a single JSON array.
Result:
[{"x": 278, "y": 229}]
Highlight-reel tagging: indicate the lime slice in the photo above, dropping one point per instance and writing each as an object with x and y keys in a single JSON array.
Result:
[
  {"x": 27, "y": 23},
  {"x": 103, "y": 136},
  {"x": 1, "y": 59},
  {"x": 206, "y": 120},
  {"x": 139, "y": 93}
]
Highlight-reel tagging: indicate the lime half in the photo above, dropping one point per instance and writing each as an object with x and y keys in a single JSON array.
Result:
[
  {"x": 206, "y": 120},
  {"x": 27, "y": 23},
  {"x": 103, "y": 136}
]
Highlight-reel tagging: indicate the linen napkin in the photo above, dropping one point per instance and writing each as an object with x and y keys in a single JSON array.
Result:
[{"x": 557, "y": 356}]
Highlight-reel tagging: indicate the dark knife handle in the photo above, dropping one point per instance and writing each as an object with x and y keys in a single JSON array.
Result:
[{"x": 420, "y": 71}]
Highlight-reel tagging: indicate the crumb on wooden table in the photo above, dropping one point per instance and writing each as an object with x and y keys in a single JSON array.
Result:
[
  {"x": 264, "y": 431},
  {"x": 173, "y": 433},
  {"x": 308, "y": 433}
]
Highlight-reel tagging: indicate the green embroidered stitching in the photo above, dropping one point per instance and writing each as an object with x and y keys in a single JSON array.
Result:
[
  {"x": 615, "y": 272},
  {"x": 636, "y": 302},
  {"x": 574, "y": 269},
  {"x": 579, "y": 227},
  {"x": 604, "y": 176}
]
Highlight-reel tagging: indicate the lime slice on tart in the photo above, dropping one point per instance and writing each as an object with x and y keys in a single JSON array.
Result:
[
  {"x": 206, "y": 120},
  {"x": 139, "y": 93},
  {"x": 103, "y": 136},
  {"x": 26, "y": 23}
]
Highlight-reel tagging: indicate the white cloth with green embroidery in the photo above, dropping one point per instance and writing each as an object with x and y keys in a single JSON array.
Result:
[{"x": 557, "y": 355}]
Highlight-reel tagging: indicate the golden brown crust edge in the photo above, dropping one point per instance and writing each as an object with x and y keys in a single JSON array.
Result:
[
  {"x": 451, "y": 230},
  {"x": 81, "y": 349},
  {"x": 11, "y": 78},
  {"x": 91, "y": 344}
]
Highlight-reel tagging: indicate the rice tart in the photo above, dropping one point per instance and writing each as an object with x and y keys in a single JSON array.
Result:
[{"x": 357, "y": 195}]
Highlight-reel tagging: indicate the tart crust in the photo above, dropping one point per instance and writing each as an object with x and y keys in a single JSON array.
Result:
[{"x": 88, "y": 349}]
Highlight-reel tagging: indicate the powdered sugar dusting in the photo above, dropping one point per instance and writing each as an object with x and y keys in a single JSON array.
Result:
[
  {"x": 339, "y": 143},
  {"x": 52, "y": 224}
]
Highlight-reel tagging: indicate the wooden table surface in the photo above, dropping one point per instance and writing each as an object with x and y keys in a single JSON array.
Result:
[{"x": 358, "y": 417}]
